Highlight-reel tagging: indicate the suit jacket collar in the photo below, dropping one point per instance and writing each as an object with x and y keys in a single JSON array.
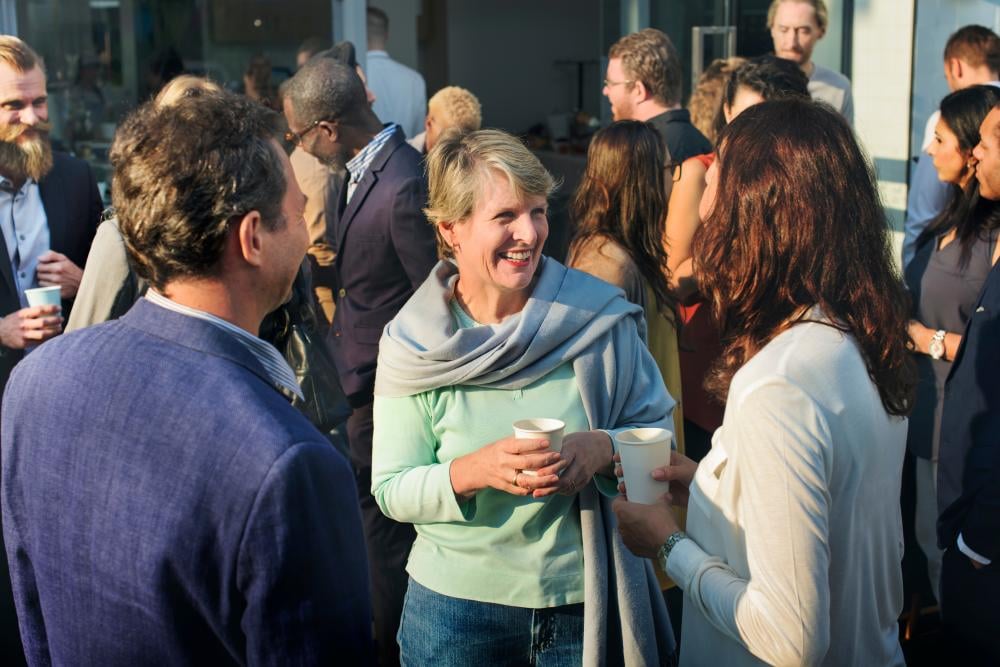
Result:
[
  {"x": 194, "y": 334},
  {"x": 346, "y": 210}
]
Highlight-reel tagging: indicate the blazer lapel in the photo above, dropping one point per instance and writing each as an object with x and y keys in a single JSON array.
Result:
[
  {"x": 368, "y": 181},
  {"x": 56, "y": 214},
  {"x": 6, "y": 271}
]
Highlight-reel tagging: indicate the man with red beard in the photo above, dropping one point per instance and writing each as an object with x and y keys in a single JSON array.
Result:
[
  {"x": 49, "y": 211},
  {"x": 49, "y": 208}
]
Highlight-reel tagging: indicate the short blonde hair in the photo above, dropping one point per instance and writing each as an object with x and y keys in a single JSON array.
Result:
[
  {"x": 460, "y": 165},
  {"x": 822, "y": 16},
  {"x": 185, "y": 85},
  {"x": 459, "y": 107},
  {"x": 16, "y": 53}
]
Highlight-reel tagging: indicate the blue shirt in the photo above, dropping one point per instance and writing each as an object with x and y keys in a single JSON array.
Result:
[{"x": 25, "y": 231}]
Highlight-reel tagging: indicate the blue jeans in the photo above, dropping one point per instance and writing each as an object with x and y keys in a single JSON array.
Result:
[{"x": 441, "y": 630}]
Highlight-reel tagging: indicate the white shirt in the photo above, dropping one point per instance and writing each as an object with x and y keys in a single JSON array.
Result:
[
  {"x": 794, "y": 515},
  {"x": 400, "y": 93},
  {"x": 25, "y": 231}
]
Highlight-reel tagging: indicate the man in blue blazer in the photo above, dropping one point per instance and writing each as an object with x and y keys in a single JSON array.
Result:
[
  {"x": 162, "y": 499},
  {"x": 969, "y": 459},
  {"x": 385, "y": 250}
]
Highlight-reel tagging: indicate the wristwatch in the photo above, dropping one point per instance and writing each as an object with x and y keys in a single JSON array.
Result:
[
  {"x": 663, "y": 553},
  {"x": 936, "y": 348}
]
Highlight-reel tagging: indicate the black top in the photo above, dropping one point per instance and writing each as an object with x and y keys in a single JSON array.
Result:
[
  {"x": 683, "y": 139},
  {"x": 944, "y": 294}
]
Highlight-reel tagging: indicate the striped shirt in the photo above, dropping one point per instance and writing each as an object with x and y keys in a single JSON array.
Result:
[
  {"x": 278, "y": 371},
  {"x": 358, "y": 165}
]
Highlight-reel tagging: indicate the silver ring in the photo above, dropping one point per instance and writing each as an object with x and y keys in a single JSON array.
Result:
[{"x": 517, "y": 473}]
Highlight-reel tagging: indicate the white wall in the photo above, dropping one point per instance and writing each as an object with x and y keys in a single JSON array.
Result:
[
  {"x": 882, "y": 60},
  {"x": 504, "y": 52}
]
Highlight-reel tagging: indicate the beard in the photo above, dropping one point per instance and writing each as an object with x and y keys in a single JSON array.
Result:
[{"x": 25, "y": 151}]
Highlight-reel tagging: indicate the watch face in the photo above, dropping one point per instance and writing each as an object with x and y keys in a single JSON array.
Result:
[{"x": 936, "y": 349}]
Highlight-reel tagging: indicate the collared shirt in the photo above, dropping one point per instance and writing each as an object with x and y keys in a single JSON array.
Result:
[
  {"x": 400, "y": 92},
  {"x": 358, "y": 165},
  {"x": 25, "y": 231},
  {"x": 278, "y": 371}
]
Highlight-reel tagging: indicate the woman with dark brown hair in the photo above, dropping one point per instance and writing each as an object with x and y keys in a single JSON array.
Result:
[
  {"x": 795, "y": 533},
  {"x": 619, "y": 211}
]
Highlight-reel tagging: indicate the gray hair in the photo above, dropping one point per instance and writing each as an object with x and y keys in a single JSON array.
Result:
[
  {"x": 459, "y": 166},
  {"x": 325, "y": 89}
]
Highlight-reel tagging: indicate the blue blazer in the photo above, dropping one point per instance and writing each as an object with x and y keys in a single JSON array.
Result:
[
  {"x": 385, "y": 250},
  {"x": 969, "y": 459},
  {"x": 164, "y": 504}
]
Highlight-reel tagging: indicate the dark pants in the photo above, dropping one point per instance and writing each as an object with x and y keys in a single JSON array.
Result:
[
  {"x": 388, "y": 541},
  {"x": 970, "y": 608}
]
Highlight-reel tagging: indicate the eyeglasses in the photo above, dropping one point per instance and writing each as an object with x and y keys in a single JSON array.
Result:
[
  {"x": 297, "y": 137},
  {"x": 608, "y": 83},
  {"x": 674, "y": 169}
]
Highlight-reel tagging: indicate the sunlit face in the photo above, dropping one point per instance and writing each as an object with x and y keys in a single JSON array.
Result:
[
  {"x": 24, "y": 128},
  {"x": 319, "y": 140},
  {"x": 498, "y": 247},
  {"x": 708, "y": 195},
  {"x": 795, "y": 31},
  {"x": 619, "y": 90},
  {"x": 744, "y": 98},
  {"x": 286, "y": 245},
  {"x": 951, "y": 162},
  {"x": 987, "y": 155}
]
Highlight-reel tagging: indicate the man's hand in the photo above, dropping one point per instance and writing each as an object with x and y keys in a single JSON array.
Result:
[
  {"x": 55, "y": 268},
  {"x": 30, "y": 326},
  {"x": 644, "y": 528}
]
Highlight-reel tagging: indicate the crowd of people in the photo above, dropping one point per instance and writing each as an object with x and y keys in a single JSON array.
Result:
[{"x": 278, "y": 426}]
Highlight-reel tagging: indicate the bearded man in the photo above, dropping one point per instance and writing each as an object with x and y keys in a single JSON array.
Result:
[
  {"x": 49, "y": 211},
  {"x": 49, "y": 208}
]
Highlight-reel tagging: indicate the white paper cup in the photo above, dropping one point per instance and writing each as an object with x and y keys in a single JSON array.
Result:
[
  {"x": 44, "y": 296},
  {"x": 540, "y": 428},
  {"x": 643, "y": 450}
]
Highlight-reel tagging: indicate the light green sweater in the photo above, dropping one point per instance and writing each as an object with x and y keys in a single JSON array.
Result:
[{"x": 496, "y": 547}]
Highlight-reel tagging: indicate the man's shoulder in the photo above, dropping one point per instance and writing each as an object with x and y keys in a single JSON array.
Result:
[
  {"x": 69, "y": 166},
  {"x": 829, "y": 77},
  {"x": 393, "y": 67},
  {"x": 402, "y": 161}
]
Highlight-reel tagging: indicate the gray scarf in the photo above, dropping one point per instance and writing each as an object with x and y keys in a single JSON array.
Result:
[{"x": 570, "y": 317}]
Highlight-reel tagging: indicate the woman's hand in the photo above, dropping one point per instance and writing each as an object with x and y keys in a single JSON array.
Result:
[
  {"x": 644, "y": 528},
  {"x": 500, "y": 466},
  {"x": 584, "y": 455},
  {"x": 919, "y": 335},
  {"x": 680, "y": 474}
]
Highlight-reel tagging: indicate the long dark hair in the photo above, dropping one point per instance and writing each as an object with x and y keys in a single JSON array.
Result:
[
  {"x": 622, "y": 197},
  {"x": 797, "y": 222},
  {"x": 966, "y": 212}
]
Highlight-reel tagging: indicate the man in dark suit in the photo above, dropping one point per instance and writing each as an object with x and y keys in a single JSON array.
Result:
[
  {"x": 49, "y": 210},
  {"x": 162, "y": 499},
  {"x": 969, "y": 459},
  {"x": 385, "y": 249}
]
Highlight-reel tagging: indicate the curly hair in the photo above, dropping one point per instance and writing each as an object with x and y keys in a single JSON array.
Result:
[
  {"x": 650, "y": 57},
  {"x": 797, "y": 222},
  {"x": 621, "y": 197},
  {"x": 460, "y": 107},
  {"x": 706, "y": 98},
  {"x": 182, "y": 172}
]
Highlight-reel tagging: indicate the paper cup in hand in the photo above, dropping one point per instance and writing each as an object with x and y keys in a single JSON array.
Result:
[
  {"x": 541, "y": 428},
  {"x": 44, "y": 296},
  {"x": 643, "y": 450}
]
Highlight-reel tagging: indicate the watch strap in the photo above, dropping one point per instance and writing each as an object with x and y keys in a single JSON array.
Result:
[{"x": 663, "y": 553}]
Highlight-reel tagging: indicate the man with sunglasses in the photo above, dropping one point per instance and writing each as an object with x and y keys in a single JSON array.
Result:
[{"x": 385, "y": 249}]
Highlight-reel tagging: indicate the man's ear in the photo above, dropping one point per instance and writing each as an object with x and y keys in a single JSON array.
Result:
[
  {"x": 639, "y": 91},
  {"x": 248, "y": 237},
  {"x": 954, "y": 68},
  {"x": 330, "y": 129}
]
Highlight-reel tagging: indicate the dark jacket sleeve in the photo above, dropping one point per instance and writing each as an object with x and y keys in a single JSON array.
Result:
[
  {"x": 981, "y": 529},
  {"x": 412, "y": 236},
  {"x": 302, "y": 565}
]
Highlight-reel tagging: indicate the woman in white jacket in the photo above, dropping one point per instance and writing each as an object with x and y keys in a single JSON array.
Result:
[{"x": 794, "y": 540}]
